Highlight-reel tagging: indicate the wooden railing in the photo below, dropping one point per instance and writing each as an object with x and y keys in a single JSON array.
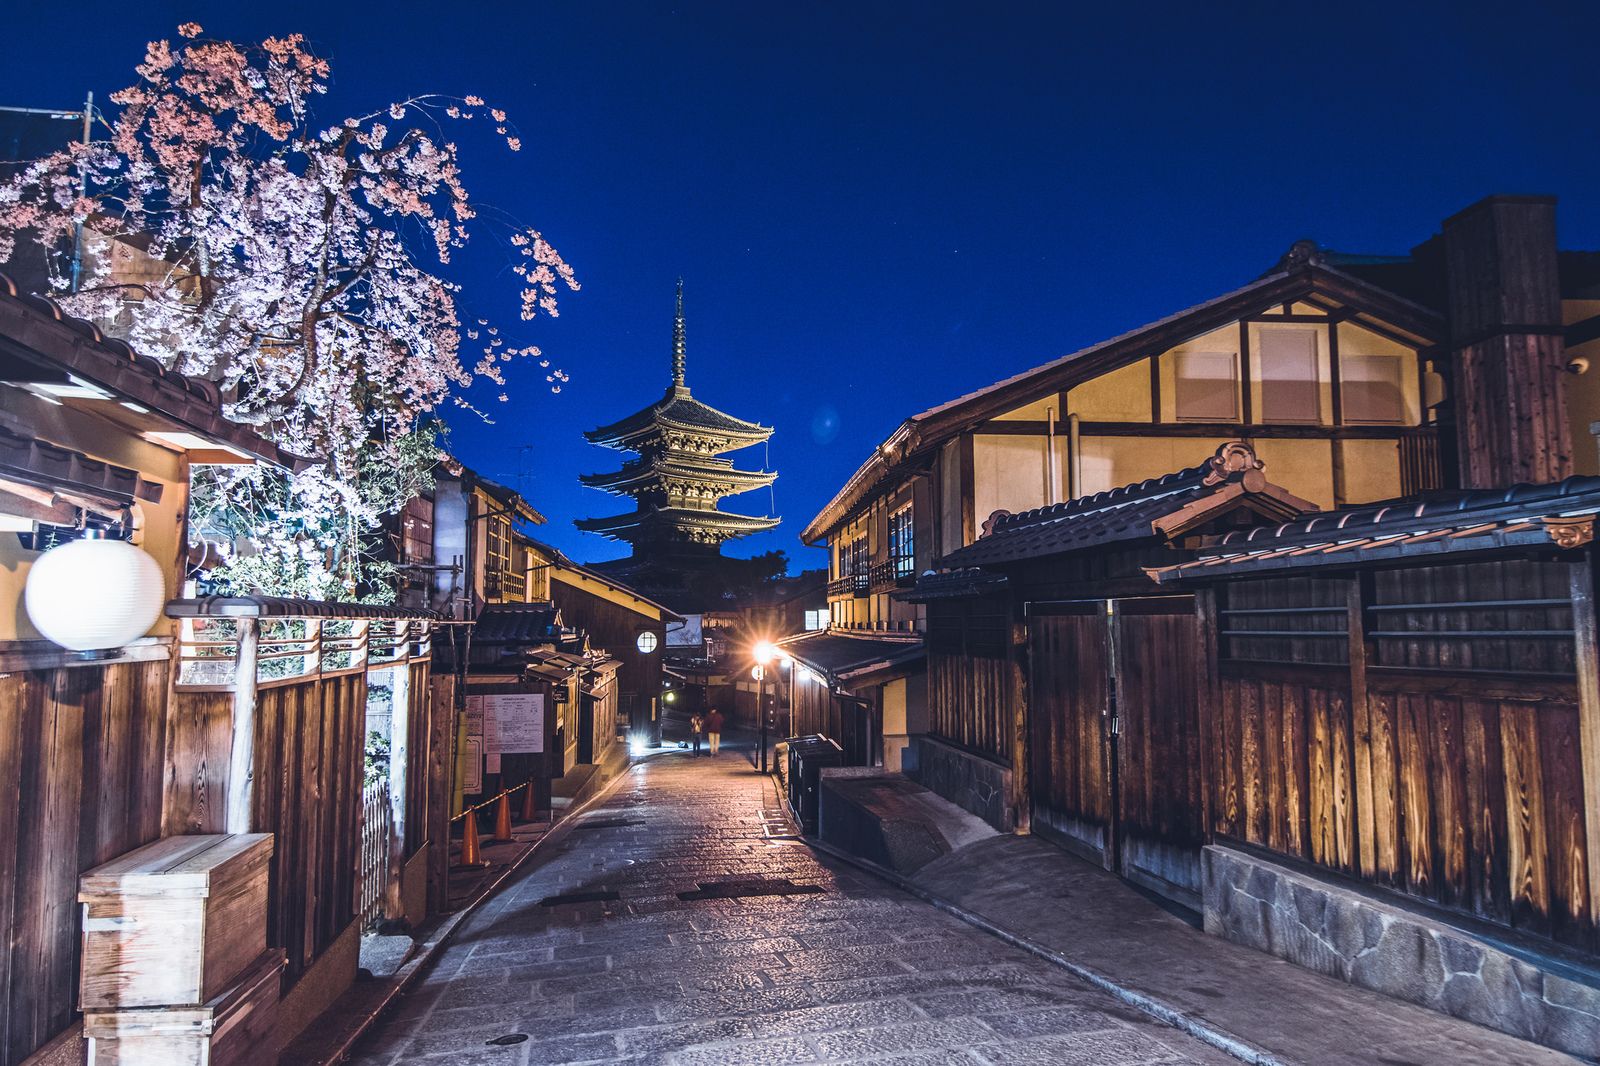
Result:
[
  {"x": 294, "y": 648},
  {"x": 376, "y": 828}
]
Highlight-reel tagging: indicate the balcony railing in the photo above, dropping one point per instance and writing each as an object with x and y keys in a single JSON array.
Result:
[{"x": 843, "y": 586}]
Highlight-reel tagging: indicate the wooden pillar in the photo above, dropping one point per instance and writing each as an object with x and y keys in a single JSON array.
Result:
[
  {"x": 1588, "y": 663},
  {"x": 441, "y": 789},
  {"x": 394, "y": 907},
  {"x": 1206, "y": 626},
  {"x": 1021, "y": 798},
  {"x": 1361, "y": 717},
  {"x": 242, "y": 760}
]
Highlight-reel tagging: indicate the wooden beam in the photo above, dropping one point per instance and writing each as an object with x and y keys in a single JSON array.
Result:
[
  {"x": 1209, "y": 429},
  {"x": 969, "y": 520},
  {"x": 1246, "y": 405},
  {"x": 1588, "y": 663}
]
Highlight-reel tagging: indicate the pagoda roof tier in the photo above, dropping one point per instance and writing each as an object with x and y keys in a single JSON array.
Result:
[
  {"x": 680, "y": 421},
  {"x": 685, "y": 523},
  {"x": 715, "y": 477}
]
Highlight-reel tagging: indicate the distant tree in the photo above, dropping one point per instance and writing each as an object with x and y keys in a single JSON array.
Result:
[{"x": 296, "y": 264}]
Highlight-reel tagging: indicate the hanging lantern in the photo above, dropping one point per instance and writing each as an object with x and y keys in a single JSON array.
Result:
[{"x": 93, "y": 594}]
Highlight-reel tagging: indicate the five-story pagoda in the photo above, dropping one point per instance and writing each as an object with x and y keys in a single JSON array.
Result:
[{"x": 678, "y": 478}]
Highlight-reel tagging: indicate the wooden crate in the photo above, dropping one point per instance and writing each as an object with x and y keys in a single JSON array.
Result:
[
  {"x": 174, "y": 922},
  {"x": 236, "y": 1028}
]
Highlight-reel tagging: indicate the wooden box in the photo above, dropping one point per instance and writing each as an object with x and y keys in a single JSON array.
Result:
[
  {"x": 237, "y": 1028},
  {"x": 174, "y": 922}
]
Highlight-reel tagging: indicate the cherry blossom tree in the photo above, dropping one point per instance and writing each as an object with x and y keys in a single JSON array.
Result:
[{"x": 297, "y": 264}]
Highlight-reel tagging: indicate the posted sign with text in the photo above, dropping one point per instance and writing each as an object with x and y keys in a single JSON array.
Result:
[{"x": 513, "y": 723}]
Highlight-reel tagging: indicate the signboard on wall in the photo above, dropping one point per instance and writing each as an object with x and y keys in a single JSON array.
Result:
[
  {"x": 686, "y": 635},
  {"x": 513, "y": 723},
  {"x": 469, "y": 765}
]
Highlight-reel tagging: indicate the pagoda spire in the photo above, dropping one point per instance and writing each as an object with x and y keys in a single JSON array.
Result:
[{"x": 677, "y": 342}]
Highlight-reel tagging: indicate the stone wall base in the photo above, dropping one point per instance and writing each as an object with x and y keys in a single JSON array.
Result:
[
  {"x": 1339, "y": 931},
  {"x": 972, "y": 783}
]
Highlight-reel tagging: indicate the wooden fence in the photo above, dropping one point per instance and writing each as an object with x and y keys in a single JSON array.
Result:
[
  {"x": 969, "y": 695},
  {"x": 80, "y": 766},
  {"x": 1428, "y": 740}
]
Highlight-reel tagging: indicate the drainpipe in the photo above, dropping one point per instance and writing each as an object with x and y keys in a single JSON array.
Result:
[{"x": 1050, "y": 455}]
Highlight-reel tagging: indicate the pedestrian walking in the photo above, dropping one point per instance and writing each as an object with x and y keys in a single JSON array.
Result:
[
  {"x": 696, "y": 723},
  {"x": 714, "y": 730}
]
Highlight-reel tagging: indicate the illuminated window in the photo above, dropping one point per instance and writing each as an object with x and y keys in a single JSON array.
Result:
[
  {"x": 1208, "y": 386},
  {"x": 1370, "y": 385},
  {"x": 817, "y": 619},
  {"x": 1288, "y": 361},
  {"x": 902, "y": 548},
  {"x": 646, "y": 642}
]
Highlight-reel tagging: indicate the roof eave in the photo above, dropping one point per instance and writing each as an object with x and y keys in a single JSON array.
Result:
[{"x": 936, "y": 425}]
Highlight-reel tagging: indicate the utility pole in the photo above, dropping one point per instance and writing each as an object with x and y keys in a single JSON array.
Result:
[{"x": 87, "y": 115}]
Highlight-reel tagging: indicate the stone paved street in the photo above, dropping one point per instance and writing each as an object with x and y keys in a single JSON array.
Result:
[{"x": 855, "y": 972}]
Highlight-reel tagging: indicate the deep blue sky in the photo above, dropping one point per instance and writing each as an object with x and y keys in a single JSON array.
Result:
[{"x": 877, "y": 207}]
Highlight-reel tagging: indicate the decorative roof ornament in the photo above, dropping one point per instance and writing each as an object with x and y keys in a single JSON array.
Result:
[{"x": 677, "y": 342}]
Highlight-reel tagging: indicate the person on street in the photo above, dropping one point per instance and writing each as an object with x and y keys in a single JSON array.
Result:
[
  {"x": 696, "y": 723},
  {"x": 714, "y": 730}
]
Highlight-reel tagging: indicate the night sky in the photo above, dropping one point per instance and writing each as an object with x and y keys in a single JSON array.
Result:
[{"x": 877, "y": 207}]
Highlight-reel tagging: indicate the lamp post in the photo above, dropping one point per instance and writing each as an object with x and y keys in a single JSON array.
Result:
[{"x": 764, "y": 654}]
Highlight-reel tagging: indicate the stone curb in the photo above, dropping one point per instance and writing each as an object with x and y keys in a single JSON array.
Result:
[
  {"x": 407, "y": 975},
  {"x": 1150, "y": 1005}
]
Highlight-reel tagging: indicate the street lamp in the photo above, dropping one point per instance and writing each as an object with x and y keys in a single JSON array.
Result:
[{"x": 764, "y": 653}]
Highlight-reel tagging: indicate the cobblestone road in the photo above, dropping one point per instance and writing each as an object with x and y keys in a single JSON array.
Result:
[{"x": 855, "y": 972}]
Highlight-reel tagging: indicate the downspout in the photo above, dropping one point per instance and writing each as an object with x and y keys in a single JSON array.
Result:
[{"x": 1050, "y": 456}]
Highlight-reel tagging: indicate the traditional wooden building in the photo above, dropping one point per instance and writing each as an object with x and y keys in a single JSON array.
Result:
[
  {"x": 103, "y": 753},
  {"x": 676, "y": 528},
  {"x": 626, "y": 624},
  {"x": 1321, "y": 716}
]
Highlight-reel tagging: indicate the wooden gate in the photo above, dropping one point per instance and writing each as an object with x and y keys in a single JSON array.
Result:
[{"x": 1115, "y": 736}]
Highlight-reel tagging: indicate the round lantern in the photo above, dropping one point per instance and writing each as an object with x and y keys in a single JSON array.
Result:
[{"x": 92, "y": 594}]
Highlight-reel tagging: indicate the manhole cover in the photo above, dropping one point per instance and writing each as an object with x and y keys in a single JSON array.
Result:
[
  {"x": 507, "y": 1040},
  {"x": 579, "y": 897},
  {"x": 749, "y": 887},
  {"x": 607, "y": 823}
]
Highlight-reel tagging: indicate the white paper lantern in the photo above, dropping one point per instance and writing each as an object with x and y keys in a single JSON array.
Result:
[{"x": 93, "y": 594}]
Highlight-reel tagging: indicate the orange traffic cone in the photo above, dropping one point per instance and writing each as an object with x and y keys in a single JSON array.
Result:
[
  {"x": 502, "y": 821},
  {"x": 530, "y": 811},
  {"x": 470, "y": 858}
]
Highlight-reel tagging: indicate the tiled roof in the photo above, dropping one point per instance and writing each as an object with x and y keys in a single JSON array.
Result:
[
  {"x": 678, "y": 516},
  {"x": 677, "y": 410},
  {"x": 519, "y": 623},
  {"x": 1153, "y": 508},
  {"x": 40, "y": 326},
  {"x": 956, "y": 584},
  {"x": 1556, "y": 515},
  {"x": 838, "y": 656}
]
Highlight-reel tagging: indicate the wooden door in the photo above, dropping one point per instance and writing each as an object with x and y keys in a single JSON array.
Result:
[
  {"x": 1114, "y": 743},
  {"x": 1069, "y": 774},
  {"x": 1160, "y": 797}
]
